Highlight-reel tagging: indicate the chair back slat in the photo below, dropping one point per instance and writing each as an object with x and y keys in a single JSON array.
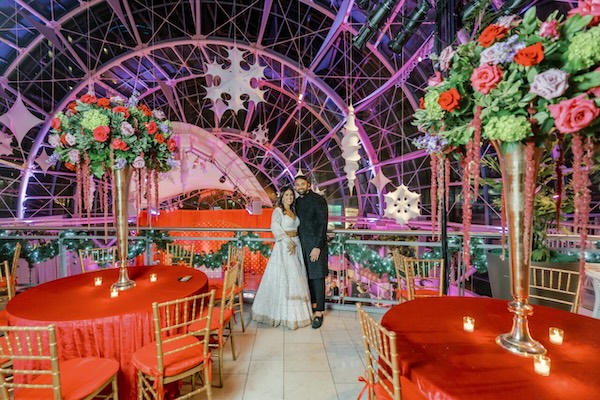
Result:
[
  {"x": 383, "y": 366},
  {"x": 423, "y": 275},
  {"x": 177, "y": 254},
  {"x": 228, "y": 296},
  {"x": 554, "y": 286},
  {"x": 235, "y": 255},
  {"x": 33, "y": 351},
  {"x": 172, "y": 320}
]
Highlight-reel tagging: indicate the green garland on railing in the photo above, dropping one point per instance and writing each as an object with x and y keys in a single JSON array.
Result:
[
  {"x": 478, "y": 259},
  {"x": 363, "y": 255},
  {"x": 216, "y": 260}
]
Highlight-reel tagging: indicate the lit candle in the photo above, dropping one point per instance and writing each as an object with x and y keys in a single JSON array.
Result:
[
  {"x": 114, "y": 293},
  {"x": 541, "y": 365},
  {"x": 153, "y": 277},
  {"x": 468, "y": 324},
  {"x": 556, "y": 335},
  {"x": 98, "y": 281}
]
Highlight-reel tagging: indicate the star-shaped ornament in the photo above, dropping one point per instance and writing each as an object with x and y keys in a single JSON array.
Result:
[
  {"x": 380, "y": 180},
  {"x": 19, "y": 119},
  {"x": 42, "y": 161}
]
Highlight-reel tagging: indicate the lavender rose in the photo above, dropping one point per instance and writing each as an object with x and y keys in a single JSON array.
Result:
[
  {"x": 127, "y": 129},
  {"x": 159, "y": 114},
  {"x": 120, "y": 163},
  {"x": 445, "y": 58},
  {"x": 74, "y": 156},
  {"x": 70, "y": 139},
  {"x": 139, "y": 162},
  {"x": 550, "y": 84}
]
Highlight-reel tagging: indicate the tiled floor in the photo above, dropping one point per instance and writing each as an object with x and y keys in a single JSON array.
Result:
[{"x": 276, "y": 363}]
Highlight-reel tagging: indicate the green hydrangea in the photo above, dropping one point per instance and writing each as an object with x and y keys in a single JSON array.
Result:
[
  {"x": 92, "y": 119},
  {"x": 584, "y": 49},
  {"x": 433, "y": 109},
  {"x": 507, "y": 128},
  {"x": 64, "y": 120}
]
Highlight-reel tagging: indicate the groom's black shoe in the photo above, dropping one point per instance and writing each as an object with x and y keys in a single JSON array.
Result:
[{"x": 317, "y": 322}]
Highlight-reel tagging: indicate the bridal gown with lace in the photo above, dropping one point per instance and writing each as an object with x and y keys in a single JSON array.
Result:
[{"x": 283, "y": 297}]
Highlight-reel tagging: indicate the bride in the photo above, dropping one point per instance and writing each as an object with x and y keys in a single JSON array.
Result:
[{"x": 282, "y": 297}]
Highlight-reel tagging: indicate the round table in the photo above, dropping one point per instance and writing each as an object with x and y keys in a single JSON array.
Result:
[
  {"x": 91, "y": 323},
  {"x": 438, "y": 359}
]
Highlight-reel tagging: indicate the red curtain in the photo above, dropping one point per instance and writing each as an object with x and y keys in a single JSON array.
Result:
[{"x": 254, "y": 263}]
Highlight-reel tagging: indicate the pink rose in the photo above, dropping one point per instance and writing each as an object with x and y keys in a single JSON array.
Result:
[
  {"x": 118, "y": 144},
  {"x": 550, "y": 84},
  {"x": 445, "y": 58},
  {"x": 588, "y": 7},
  {"x": 435, "y": 79},
  {"x": 54, "y": 141},
  {"x": 549, "y": 29},
  {"x": 485, "y": 78},
  {"x": 573, "y": 115}
]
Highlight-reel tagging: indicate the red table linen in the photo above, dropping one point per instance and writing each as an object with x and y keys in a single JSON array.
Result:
[
  {"x": 441, "y": 361},
  {"x": 91, "y": 323}
]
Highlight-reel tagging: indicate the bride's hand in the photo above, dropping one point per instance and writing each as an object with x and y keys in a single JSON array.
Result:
[{"x": 291, "y": 247}]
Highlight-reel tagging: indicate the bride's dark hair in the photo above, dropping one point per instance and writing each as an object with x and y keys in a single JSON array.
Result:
[{"x": 280, "y": 198}]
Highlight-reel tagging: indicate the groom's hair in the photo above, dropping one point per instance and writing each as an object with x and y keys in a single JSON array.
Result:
[{"x": 301, "y": 177}]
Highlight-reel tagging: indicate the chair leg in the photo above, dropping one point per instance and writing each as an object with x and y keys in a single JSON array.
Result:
[
  {"x": 140, "y": 386},
  {"x": 231, "y": 336},
  {"x": 115, "y": 388},
  {"x": 208, "y": 383},
  {"x": 220, "y": 367},
  {"x": 241, "y": 305}
]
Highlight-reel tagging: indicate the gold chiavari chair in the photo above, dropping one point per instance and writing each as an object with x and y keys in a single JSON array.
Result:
[
  {"x": 8, "y": 275},
  {"x": 178, "y": 254},
  {"x": 34, "y": 354},
  {"x": 178, "y": 351},
  {"x": 222, "y": 317},
  {"x": 554, "y": 287},
  {"x": 399, "y": 261},
  {"x": 102, "y": 256},
  {"x": 235, "y": 255},
  {"x": 424, "y": 278},
  {"x": 383, "y": 366}
]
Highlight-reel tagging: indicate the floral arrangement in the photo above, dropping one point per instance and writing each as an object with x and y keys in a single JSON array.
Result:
[
  {"x": 522, "y": 81},
  {"x": 95, "y": 136}
]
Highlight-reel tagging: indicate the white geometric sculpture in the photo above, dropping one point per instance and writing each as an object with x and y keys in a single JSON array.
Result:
[
  {"x": 42, "y": 161},
  {"x": 402, "y": 205},
  {"x": 235, "y": 82},
  {"x": 380, "y": 181},
  {"x": 19, "y": 119},
  {"x": 5, "y": 147},
  {"x": 350, "y": 147},
  {"x": 260, "y": 134}
]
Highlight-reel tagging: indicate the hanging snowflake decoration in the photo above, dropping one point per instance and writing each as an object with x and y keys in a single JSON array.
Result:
[
  {"x": 402, "y": 205},
  {"x": 260, "y": 134},
  {"x": 238, "y": 84},
  {"x": 350, "y": 147}
]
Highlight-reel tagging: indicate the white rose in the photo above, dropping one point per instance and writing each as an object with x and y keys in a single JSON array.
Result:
[
  {"x": 54, "y": 140},
  {"x": 159, "y": 114},
  {"x": 139, "y": 162},
  {"x": 117, "y": 100},
  {"x": 70, "y": 139},
  {"x": 74, "y": 156},
  {"x": 127, "y": 129},
  {"x": 446, "y": 58},
  {"x": 550, "y": 84}
]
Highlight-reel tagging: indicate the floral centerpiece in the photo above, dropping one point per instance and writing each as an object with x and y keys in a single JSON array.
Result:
[
  {"x": 97, "y": 136},
  {"x": 522, "y": 81}
]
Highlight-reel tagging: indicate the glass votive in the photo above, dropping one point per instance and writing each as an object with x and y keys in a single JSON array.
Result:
[
  {"x": 153, "y": 277},
  {"x": 468, "y": 324},
  {"x": 114, "y": 293},
  {"x": 98, "y": 281},
  {"x": 541, "y": 365},
  {"x": 557, "y": 335}
]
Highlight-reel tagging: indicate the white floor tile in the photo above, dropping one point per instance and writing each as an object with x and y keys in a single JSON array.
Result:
[
  {"x": 309, "y": 385},
  {"x": 265, "y": 381},
  {"x": 305, "y": 357},
  {"x": 346, "y": 391}
]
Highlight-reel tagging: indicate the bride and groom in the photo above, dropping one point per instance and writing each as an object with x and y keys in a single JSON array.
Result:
[{"x": 292, "y": 289}]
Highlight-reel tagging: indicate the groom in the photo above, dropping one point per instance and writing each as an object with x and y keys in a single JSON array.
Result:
[{"x": 312, "y": 211}]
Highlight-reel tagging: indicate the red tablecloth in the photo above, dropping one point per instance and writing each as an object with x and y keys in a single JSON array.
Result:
[
  {"x": 91, "y": 323},
  {"x": 441, "y": 361}
]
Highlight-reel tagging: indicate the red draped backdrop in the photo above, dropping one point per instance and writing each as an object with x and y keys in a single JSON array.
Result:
[{"x": 254, "y": 263}]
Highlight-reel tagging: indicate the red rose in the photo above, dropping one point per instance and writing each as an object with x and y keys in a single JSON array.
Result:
[
  {"x": 485, "y": 78},
  {"x": 56, "y": 123},
  {"x": 70, "y": 166},
  {"x": 151, "y": 127},
  {"x": 144, "y": 108},
  {"x": 491, "y": 34},
  {"x": 530, "y": 55},
  {"x": 171, "y": 144},
  {"x": 104, "y": 102},
  {"x": 449, "y": 100},
  {"x": 573, "y": 115},
  {"x": 63, "y": 139},
  {"x": 72, "y": 107},
  {"x": 118, "y": 144},
  {"x": 422, "y": 103},
  {"x": 159, "y": 138},
  {"x": 88, "y": 99},
  {"x": 122, "y": 110},
  {"x": 101, "y": 134}
]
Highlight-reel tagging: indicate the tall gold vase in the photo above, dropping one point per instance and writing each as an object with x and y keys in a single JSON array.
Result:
[
  {"x": 120, "y": 186},
  {"x": 513, "y": 164}
]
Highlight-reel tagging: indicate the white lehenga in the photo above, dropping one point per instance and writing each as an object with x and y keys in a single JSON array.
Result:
[{"x": 283, "y": 297}]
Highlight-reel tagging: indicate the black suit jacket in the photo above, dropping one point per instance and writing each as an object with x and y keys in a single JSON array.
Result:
[{"x": 313, "y": 214}]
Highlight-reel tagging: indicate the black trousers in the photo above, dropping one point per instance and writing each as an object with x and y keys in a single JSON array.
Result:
[{"x": 317, "y": 293}]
